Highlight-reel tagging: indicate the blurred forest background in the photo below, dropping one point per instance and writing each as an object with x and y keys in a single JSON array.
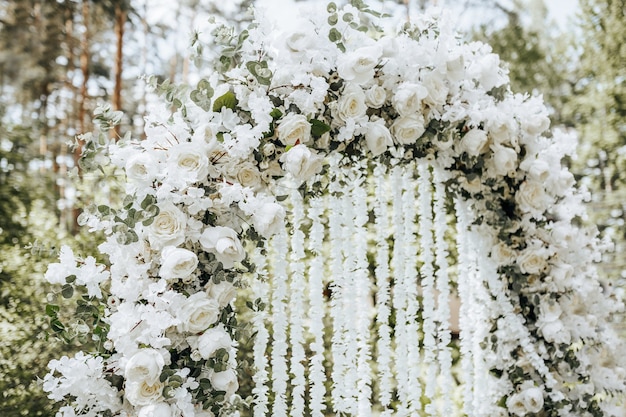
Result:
[{"x": 59, "y": 59}]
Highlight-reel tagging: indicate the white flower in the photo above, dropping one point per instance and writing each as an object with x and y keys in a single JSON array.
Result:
[
  {"x": 537, "y": 169},
  {"x": 474, "y": 141},
  {"x": 408, "y": 99},
  {"x": 351, "y": 104},
  {"x": 168, "y": 227},
  {"x": 549, "y": 310},
  {"x": 188, "y": 161},
  {"x": 223, "y": 293},
  {"x": 375, "y": 96},
  {"x": 437, "y": 89},
  {"x": 143, "y": 393},
  {"x": 528, "y": 401},
  {"x": 377, "y": 137},
  {"x": 145, "y": 365},
  {"x": 248, "y": 175},
  {"x": 532, "y": 198},
  {"x": 532, "y": 260},
  {"x": 301, "y": 162},
  {"x": 224, "y": 381},
  {"x": 141, "y": 168},
  {"x": 504, "y": 159},
  {"x": 177, "y": 263},
  {"x": 268, "y": 219},
  {"x": 58, "y": 272},
  {"x": 556, "y": 332},
  {"x": 294, "y": 128},
  {"x": 197, "y": 313},
  {"x": 358, "y": 66},
  {"x": 155, "y": 410},
  {"x": 407, "y": 130},
  {"x": 213, "y": 340},
  {"x": 224, "y": 243}
]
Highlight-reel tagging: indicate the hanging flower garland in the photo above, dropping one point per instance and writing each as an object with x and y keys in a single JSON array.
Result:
[{"x": 204, "y": 186}]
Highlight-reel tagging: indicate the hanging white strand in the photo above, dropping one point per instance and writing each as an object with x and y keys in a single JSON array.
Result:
[
  {"x": 466, "y": 335},
  {"x": 428, "y": 283},
  {"x": 363, "y": 296},
  {"x": 403, "y": 381},
  {"x": 260, "y": 288},
  {"x": 317, "y": 374},
  {"x": 338, "y": 345},
  {"x": 296, "y": 306},
  {"x": 280, "y": 374},
  {"x": 350, "y": 302},
  {"x": 383, "y": 311},
  {"x": 443, "y": 304},
  {"x": 410, "y": 286}
]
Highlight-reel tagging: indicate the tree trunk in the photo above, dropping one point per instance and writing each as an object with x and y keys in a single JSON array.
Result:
[{"x": 120, "y": 21}]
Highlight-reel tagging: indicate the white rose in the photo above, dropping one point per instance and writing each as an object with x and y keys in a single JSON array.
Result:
[
  {"x": 197, "y": 313},
  {"x": 141, "y": 168},
  {"x": 248, "y": 175},
  {"x": 155, "y": 410},
  {"x": 168, "y": 227},
  {"x": 223, "y": 293},
  {"x": 377, "y": 137},
  {"x": 351, "y": 103},
  {"x": 375, "y": 97},
  {"x": 504, "y": 159},
  {"x": 408, "y": 99},
  {"x": 224, "y": 243},
  {"x": 301, "y": 162},
  {"x": 437, "y": 90},
  {"x": 143, "y": 393},
  {"x": 177, "y": 263},
  {"x": 213, "y": 340},
  {"x": 502, "y": 253},
  {"x": 532, "y": 261},
  {"x": 561, "y": 183},
  {"x": 145, "y": 365},
  {"x": 358, "y": 66},
  {"x": 268, "y": 219},
  {"x": 407, "y": 130},
  {"x": 294, "y": 128},
  {"x": 474, "y": 141},
  {"x": 515, "y": 405},
  {"x": 298, "y": 41},
  {"x": 224, "y": 381},
  {"x": 188, "y": 161},
  {"x": 532, "y": 197}
]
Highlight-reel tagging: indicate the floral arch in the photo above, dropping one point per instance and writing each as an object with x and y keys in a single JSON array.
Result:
[{"x": 347, "y": 184}]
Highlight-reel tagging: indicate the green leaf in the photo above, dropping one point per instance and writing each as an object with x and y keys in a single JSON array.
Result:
[
  {"x": 333, "y": 19},
  {"x": 276, "y": 114},
  {"x": 202, "y": 95},
  {"x": 228, "y": 100},
  {"x": 348, "y": 17},
  {"x": 332, "y": 7},
  {"x": 334, "y": 35},
  {"x": 318, "y": 128},
  {"x": 148, "y": 200},
  {"x": 52, "y": 310},
  {"x": 67, "y": 291}
]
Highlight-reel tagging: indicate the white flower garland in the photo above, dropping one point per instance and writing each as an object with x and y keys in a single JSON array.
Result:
[
  {"x": 383, "y": 310},
  {"x": 280, "y": 370},
  {"x": 427, "y": 272},
  {"x": 442, "y": 284},
  {"x": 316, "y": 315},
  {"x": 297, "y": 307},
  {"x": 410, "y": 288},
  {"x": 260, "y": 287},
  {"x": 362, "y": 294},
  {"x": 401, "y": 357}
]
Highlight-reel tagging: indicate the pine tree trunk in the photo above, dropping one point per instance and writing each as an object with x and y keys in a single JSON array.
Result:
[{"x": 120, "y": 21}]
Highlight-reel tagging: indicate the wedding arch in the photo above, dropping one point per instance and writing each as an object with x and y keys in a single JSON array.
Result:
[{"x": 326, "y": 196}]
